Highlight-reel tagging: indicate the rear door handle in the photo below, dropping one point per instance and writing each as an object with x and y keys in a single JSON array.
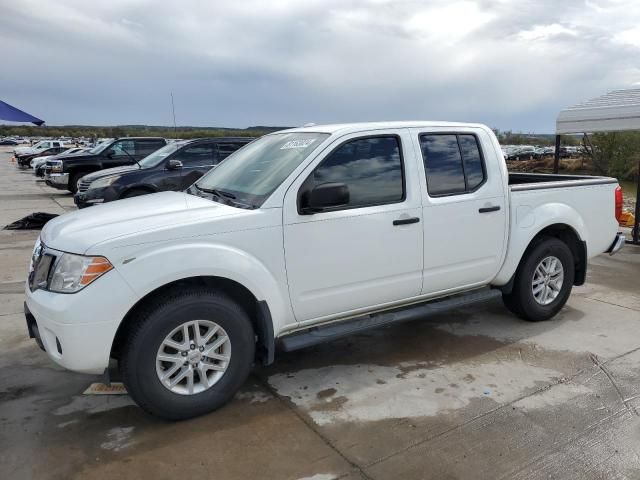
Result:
[
  {"x": 406, "y": 221},
  {"x": 495, "y": 208}
]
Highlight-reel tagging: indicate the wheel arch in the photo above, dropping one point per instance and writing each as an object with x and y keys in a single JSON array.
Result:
[
  {"x": 568, "y": 235},
  {"x": 257, "y": 310}
]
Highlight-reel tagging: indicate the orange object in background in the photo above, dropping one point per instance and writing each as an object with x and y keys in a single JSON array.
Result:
[{"x": 627, "y": 219}]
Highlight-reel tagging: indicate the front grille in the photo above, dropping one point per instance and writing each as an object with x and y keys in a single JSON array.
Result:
[{"x": 83, "y": 186}]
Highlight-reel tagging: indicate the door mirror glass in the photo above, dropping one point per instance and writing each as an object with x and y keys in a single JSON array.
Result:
[
  {"x": 325, "y": 196},
  {"x": 174, "y": 165}
]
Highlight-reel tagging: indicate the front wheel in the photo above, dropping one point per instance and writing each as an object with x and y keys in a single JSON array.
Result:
[
  {"x": 543, "y": 280},
  {"x": 187, "y": 354}
]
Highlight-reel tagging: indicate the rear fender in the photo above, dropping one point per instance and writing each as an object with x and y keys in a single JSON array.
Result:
[{"x": 528, "y": 222}]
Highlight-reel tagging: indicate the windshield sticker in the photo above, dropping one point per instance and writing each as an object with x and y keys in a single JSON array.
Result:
[{"x": 297, "y": 144}]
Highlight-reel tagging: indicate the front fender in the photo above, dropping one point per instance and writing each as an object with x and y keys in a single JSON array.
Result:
[
  {"x": 151, "y": 268},
  {"x": 527, "y": 222}
]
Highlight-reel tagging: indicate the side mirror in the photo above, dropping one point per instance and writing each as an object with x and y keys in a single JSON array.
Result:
[
  {"x": 326, "y": 196},
  {"x": 174, "y": 165},
  {"x": 111, "y": 154}
]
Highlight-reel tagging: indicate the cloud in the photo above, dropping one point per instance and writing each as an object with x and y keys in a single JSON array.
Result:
[{"x": 510, "y": 64}]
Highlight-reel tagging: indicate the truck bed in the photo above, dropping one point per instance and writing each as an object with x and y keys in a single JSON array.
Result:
[{"x": 537, "y": 181}]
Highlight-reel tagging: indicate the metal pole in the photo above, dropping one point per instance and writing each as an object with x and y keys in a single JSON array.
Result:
[
  {"x": 556, "y": 160},
  {"x": 173, "y": 109},
  {"x": 636, "y": 226}
]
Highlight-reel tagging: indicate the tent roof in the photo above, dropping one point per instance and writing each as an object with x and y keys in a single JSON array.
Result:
[
  {"x": 8, "y": 112},
  {"x": 615, "y": 111}
]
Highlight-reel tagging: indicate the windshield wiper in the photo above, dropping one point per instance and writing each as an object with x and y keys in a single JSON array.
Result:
[
  {"x": 226, "y": 196},
  {"x": 218, "y": 193}
]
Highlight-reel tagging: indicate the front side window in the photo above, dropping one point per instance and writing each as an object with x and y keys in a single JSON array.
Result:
[
  {"x": 371, "y": 168},
  {"x": 453, "y": 163},
  {"x": 123, "y": 148},
  {"x": 144, "y": 148},
  {"x": 226, "y": 149},
  {"x": 196, "y": 155}
]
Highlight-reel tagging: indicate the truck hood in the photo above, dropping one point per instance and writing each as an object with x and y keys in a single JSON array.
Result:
[
  {"x": 107, "y": 172},
  {"x": 128, "y": 219}
]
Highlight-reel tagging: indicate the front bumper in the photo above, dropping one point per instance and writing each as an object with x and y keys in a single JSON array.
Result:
[
  {"x": 57, "y": 180},
  {"x": 617, "y": 244},
  {"x": 77, "y": 330}
]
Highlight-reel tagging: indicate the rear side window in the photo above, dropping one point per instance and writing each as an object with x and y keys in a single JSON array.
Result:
[
  {"x": 453, "y": 163},
  {"x": 370, "y": 167}
]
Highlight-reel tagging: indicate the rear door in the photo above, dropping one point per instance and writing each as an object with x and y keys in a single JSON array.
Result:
[
  {"x": 464, "y": 208},
  {"x": 364, "y": 254}
]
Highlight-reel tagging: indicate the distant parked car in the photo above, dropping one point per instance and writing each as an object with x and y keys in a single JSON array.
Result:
[
  {"x": 24, "y": 160},
  {"x": 66, "y": 171},
  {"x": 174, "y": 167},
  {"x": 38, "y": 147},
  {"x": 8, "y": 141},
  {"x": 523, "y": 152}
]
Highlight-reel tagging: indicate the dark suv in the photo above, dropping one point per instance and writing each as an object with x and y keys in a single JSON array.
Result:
[
  {"x": 65, "y": 171},
  {"x": 173, "y": 167}
]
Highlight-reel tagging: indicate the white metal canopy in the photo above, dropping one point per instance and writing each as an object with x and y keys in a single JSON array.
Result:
[{"x": 615, "y": 111}]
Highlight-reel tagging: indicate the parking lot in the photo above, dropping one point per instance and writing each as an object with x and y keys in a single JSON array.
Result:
[{"x": 476, "y": 393}]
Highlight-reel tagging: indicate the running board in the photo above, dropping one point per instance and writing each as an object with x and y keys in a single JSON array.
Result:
[{"x": 332, "y": 331}]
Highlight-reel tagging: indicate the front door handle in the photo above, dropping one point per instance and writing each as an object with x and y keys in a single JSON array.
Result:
[
  {"x": 495, "y": 208},
  {"x": 406, "y": 221}
]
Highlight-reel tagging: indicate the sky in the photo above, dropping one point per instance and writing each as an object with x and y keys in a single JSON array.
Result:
[{"x": 509, "y": 64}]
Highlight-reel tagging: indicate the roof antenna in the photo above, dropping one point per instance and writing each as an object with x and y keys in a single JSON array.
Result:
[{"x": 309, "y": 124}]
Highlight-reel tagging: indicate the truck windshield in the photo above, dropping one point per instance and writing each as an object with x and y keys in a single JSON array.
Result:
[
  {"x": 99, "y": 148},
  {"x": 248, "y": 176},
  {"x": 159, "y": 155}
]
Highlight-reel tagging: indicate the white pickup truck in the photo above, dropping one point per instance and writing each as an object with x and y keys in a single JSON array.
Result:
[{"x": 300, "y": 237}]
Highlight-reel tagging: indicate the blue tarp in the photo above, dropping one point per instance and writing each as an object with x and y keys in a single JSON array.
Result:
[{"x": 7, "y": 112}]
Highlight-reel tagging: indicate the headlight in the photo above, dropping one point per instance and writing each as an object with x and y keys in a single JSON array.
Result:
[
  {"x": 102, "y": 182},
  {"x": 57, "y": 166},
  {"x": 74, "y": 272}
]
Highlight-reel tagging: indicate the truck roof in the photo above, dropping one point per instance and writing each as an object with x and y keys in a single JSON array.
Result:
[{"x": 365, "y": 126}]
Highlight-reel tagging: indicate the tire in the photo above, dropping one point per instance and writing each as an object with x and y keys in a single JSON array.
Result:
[
  {"x": 73, "y": 181},
  {"x": 134, "y": 192},
  {"x": 140, "y": 368},
  {"x": 522, "y": 300}
]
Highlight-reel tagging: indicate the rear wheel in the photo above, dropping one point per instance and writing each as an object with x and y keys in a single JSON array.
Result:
[
  {"x": 543, "y": 281},
  {"x": 187, "y": 354}
]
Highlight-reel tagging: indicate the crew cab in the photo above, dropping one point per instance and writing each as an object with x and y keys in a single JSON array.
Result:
[
  {"x": 173, "y": 167},
  {"x": 65, "y": 172},
  {"x": 300, "y": 237}
]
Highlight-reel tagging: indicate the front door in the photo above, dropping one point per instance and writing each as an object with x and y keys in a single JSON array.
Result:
[
  {"x": 464, "y": 208},
  {"x": 365, "y": 253},
  {"x": 196, "y": 161}
]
